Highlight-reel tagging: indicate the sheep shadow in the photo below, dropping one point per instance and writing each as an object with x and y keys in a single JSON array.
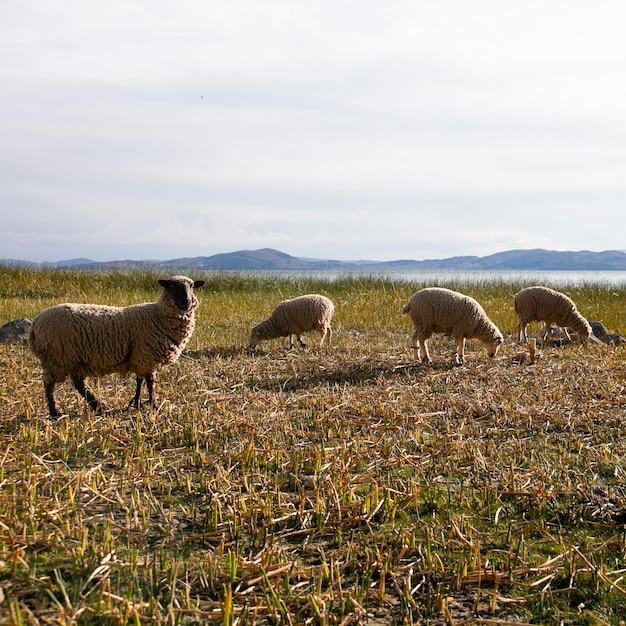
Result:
[
  {"x": 213, "y": 352},
  {"x": 353, "y": 375}
]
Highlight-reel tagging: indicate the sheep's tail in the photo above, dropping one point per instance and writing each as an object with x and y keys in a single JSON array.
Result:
[
  {"x": 406, "y": 308},
  {"x": 31, "y": 338}
]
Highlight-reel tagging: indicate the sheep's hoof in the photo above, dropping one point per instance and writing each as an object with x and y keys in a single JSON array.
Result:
[{"x": 425, "y": 359}]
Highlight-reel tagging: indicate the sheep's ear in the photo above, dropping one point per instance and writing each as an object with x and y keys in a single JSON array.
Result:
[
  {"x": 197, "y": 284},
  {"x": 164, "y": 283}
]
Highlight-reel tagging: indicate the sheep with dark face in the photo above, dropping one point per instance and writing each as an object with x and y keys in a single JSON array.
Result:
[
  {"x": 292, "y": 318},
  {"x": 82, "y": 340},
  {"x": 542, "y": 304},
  {"x": 440, "y": 310}
]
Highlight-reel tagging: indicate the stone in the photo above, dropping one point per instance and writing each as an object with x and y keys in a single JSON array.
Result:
[{"x": 15, "y": 331}]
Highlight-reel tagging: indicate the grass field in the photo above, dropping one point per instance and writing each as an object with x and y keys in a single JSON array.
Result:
[{"x": 343, "y": 486}]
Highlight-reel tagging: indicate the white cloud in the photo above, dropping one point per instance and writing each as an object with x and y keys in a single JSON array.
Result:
[{"x": 345, "y": 130}]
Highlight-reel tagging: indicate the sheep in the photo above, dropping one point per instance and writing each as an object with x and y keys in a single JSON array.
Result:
[
  {"x": 440, "y": 310},
  {"x": 81, "y": 340},
  {"x": 543, "y": 304},
  {"x": 293, "y": 318}
]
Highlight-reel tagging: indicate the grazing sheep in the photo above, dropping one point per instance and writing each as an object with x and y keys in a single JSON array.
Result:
[
  {"x": 439, "y": 310},
  {"x": 543, "y": 304},
  {"x": 81, "y": 340},
  {"x": 294, "y": 317}
]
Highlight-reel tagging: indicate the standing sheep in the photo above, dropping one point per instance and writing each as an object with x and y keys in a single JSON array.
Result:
[
  {"x": 439, "y": 310},
  {"x": 81, "y": 340},
  {"x": 294, "y": 317},
  {"x": 543, "y": 304}
]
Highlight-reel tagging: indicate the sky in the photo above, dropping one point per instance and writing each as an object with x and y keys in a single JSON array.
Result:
[{"x": 403, "y": 129}]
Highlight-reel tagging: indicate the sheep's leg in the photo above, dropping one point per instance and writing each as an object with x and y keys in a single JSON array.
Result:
[
  {"x": 565, "y": 333},
  {"x": 521, "y": 332},
  {"x": 420, "y": 349},
  {"x": 423, "y": 351},
  {"x": 151, "y": 394},
  {"x": 52, "y": 407},
  {"x": 414, "y": 348},
  {"x": 85, "y": 392},
  {"x": 326, "y": 335},
  {"x": 299, "y": 338},
  {"x": 460, "y": 351},
  {"x": 135, "y": 402}
]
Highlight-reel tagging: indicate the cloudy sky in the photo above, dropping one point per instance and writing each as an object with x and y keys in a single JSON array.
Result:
[{"x": 329, "y": 129}]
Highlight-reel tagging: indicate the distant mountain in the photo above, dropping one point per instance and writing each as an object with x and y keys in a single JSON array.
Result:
[
  {"x": 264, "y": 259},
  {"x": 537, "y": 259},
  {"x": 69, "y": 263},
  {"x": 269, "y": 259}
]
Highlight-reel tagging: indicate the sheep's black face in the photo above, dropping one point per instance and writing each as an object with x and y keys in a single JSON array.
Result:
[{"x": 181, "y": 292}]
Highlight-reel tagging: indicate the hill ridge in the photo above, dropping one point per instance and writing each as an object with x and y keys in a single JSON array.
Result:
[{"x": 271, "y": 259}]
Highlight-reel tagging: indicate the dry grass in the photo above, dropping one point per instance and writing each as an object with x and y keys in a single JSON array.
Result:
[{"x": 343, "y": 486}]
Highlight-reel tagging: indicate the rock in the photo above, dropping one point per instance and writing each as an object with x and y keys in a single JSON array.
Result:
[
  {"x": 15, "y": 331},
  {"x": 604, "y": 335},
  {"x": 599, "y": 329}
]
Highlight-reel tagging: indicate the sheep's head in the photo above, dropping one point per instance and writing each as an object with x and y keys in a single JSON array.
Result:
[
  {"x": 180, "y": 291},
  {"x": 494, "y": 346},
  {"x": 585, "y": 333},
  {"x": 583, "y": 330},
  {"x": 256, "y": 336}
]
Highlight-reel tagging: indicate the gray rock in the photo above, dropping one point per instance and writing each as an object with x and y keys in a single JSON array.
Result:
[
  {"x": 604, "y": 335},
  {"x": 15, "y": 331},
  {"x": 599, "y": 329},
  {"x": 614, "y": 339}
]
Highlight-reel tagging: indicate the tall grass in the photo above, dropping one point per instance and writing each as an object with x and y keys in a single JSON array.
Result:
[{"x": 340, "y": 486}]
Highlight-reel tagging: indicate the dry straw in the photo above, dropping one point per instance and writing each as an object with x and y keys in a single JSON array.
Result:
[{"x": 342, "y": 486}]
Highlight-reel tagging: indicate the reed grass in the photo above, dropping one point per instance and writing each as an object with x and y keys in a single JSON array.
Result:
[{"x": 341, "y": 486}]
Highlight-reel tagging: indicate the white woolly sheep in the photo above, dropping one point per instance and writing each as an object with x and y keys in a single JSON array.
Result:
[
  {"x": 440, "y": 310},
  {"x": 81, "y": 340},
  {"x": 292, "y": 318},
  {"x": 542, "y": 304}
]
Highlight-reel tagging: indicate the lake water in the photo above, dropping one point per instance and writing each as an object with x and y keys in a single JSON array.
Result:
[
  {"x": 440, "y": 277},
  {"x": 530, "y": 277}
]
